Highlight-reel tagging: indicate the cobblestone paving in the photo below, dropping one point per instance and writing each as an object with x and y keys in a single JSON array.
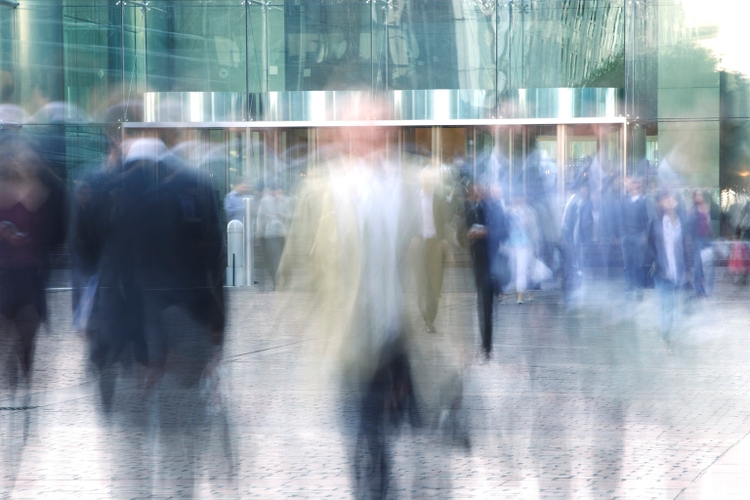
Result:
[{"x": 574, "y": 404}]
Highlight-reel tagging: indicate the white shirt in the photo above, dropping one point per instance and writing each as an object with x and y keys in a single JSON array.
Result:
[
  {"x": 379, "y": 206},
  {"x": 672, "y": 237},
  {"x": 428, "y": 219}
]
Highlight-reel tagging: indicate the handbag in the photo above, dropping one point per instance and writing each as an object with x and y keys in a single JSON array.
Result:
[
  {"x": 540, "y": 272},
  {"x": 707, "y": 257},
  {"x": 501, "y": 267}
]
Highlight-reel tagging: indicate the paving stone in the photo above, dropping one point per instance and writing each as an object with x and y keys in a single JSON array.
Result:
[{"x": 584, "y": 405}]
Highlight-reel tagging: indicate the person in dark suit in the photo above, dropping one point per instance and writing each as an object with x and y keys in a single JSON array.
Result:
[
  {"x": 577, "y": 234},
  {"x": 433, "y": 247},
  {"x": 634, "y": 223},
  {"x": 488, "y": 228},
  {"x": 179, "y": 259},
  {"x": 107, "y": 230},
  {"x": 666, "y": 239}
]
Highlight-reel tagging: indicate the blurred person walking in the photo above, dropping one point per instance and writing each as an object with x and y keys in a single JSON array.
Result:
[
  {"x": 523, "y": 239},
  {"x": 180, "y": 271},
  {"x": 666, "y": 238},
  {"x": 234, "y": 201},
  {"x": 610, "y": 222},
  {"x": 488, "y": 228},
  {"x": 364, "y": 216},
  {"x": 107, "y": 305},
  {"x": 577, "y": 234},
  {"x": 178, "y": 254},
  {"x": 635, "y": 219},
  {"x": 105, "y": 233},
  {"x": 701, "y": 233},
  {"x": 33, "y": 213},
  {"x": 274, "y": 214},
  {"x": 435, "y": 214},
  {"x": 739, "y": 260}
]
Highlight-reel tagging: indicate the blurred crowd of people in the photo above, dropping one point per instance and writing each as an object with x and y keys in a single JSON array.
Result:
[{"x": 146, "y": 235}]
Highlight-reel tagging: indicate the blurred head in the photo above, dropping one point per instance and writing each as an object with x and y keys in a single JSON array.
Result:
[
  {"x": 633, "y": 186},
  {"x": 363, "y": 140},
  {"x": 698, "y": 198},
  {"x": 666, "y": 202},
  {"x": 244, "y": 186},
  {"x": 21, "y": 169},
  {"x": 143, "y": 149}
]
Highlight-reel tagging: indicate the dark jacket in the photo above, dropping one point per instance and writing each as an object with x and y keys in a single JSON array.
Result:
[
  {"x": 178, "y": 242},
  {"x": 634, "y": 216},
  {"x": 475, "y": 214},
  {"x": 658, "y": 249},
  {"x": 484, "y": 251},
  {"x": 578, "y": 221}
]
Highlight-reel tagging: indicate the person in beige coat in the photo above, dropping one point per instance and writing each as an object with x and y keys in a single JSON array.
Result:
[
  {"x": 356, "y": 219},
  {"x": 433, "y": 249}
]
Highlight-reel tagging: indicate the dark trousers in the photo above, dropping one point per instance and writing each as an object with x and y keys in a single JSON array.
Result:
[
  {"x": 117, "y": 326},
  {"x": 485, "y": 294},
  {"x": 387, "y": 399},
  {"x": 633, "y": 251},
  {"x": 273, "y": 247},
  {"x": 698, "y": 272}
]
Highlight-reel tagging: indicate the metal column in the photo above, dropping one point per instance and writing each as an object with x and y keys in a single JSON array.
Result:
[{"x": 249, "y": 243}]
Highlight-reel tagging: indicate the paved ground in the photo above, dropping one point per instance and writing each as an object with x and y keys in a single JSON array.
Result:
[{"x": 581, "y": 404}]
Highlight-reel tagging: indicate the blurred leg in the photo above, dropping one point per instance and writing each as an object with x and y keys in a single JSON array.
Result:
[
  {"x": 486, "y": 316},
  {"x": 698, "y": 274},
  {"x": 638, "y": 271},
  {"x": 628, "y": 265},
  {"x": 434, "y": 262},
  {"x": 667, "y": 295},
  {"x": 27, "y": 323}
]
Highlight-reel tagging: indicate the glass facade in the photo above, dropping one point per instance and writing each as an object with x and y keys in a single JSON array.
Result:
[
  {"x": 237, "y": 65},
  {"x": 91, "y": 49}
]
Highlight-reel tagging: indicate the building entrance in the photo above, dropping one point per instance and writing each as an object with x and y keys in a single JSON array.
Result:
[
  {"x": 540, "y": 161},
  {"x": 282, "y": 155}
]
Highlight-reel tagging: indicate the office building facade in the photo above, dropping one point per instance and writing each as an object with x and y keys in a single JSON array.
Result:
[{"x": 626, "y": 84}]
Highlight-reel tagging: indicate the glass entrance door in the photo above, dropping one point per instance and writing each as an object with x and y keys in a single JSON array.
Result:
[{"x": 544, "y": 164}]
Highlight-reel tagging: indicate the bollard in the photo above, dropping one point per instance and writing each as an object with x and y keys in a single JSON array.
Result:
[
  {"x": 249, "y": 243},
  {"x": 235, "y": 254}
]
